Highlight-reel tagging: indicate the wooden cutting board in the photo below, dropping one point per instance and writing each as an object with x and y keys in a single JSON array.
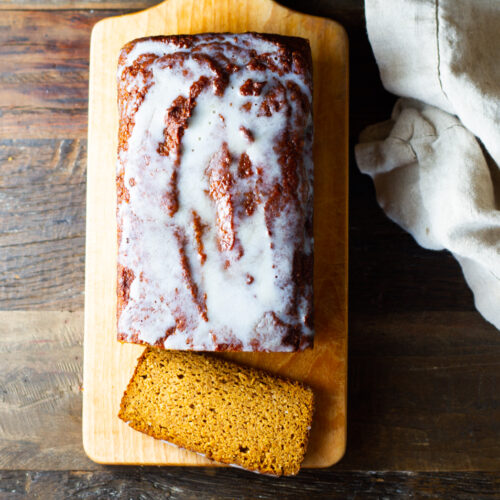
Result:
[{"x": 108, "y": 365}]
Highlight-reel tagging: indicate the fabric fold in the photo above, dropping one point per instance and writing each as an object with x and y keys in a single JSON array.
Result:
[{"x": 430, "y": 173}]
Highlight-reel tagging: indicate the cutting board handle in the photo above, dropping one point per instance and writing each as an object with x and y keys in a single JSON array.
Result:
[
  {"x": 196, "y": 16},
  {"x": 206, "y": 6}
]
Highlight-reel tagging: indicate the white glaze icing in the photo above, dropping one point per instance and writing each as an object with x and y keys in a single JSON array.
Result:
[{"x": 235, "y": 311}]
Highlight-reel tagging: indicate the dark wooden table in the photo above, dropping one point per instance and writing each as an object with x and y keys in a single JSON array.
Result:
[{"x": 424, "y": 367}]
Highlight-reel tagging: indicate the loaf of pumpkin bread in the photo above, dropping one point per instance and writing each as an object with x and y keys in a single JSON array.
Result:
[{"x": 215, "y": 193}]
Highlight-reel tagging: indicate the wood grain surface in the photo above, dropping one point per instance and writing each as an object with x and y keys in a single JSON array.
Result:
[
  {"x": 40, "y": 390},
  {"x": 423, "y": 364},
  {"x": 42, "y": 214},
  {"x": 108, "y": 365},
  {"x": 180, "y": 484},
  {"x": 341, "y": 6},
  {"x": 44, "y": 73}
]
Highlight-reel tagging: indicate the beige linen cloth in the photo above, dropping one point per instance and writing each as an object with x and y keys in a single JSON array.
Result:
[{"x": 435, "y": 164}]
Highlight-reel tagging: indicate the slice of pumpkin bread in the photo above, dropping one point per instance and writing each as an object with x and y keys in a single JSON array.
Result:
[{"x": 229, "y": 413}]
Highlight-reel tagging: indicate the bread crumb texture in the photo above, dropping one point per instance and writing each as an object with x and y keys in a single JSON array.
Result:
[{"x": 229, "y": 413}]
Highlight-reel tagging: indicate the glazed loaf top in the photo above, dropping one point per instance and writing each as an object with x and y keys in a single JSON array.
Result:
[{"x": 214, "y": 184}]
